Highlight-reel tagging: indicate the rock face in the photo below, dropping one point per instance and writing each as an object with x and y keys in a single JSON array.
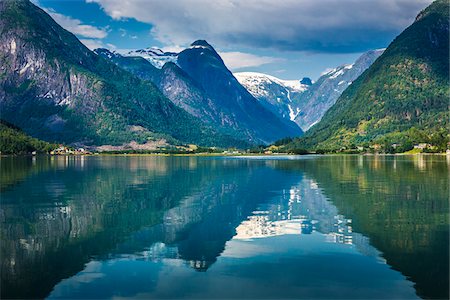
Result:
[
  {"x": 197, "y": 81},
  {"x": 320, "y": 96},
  {"x": 306, "y": 81},
  {"x": 56, "y": 89}
]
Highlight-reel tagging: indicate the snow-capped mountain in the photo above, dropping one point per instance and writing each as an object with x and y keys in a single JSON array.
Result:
[
  {"x": 158, "y": 57},
  {"x": 155, "y": 56},
  {"x": 315, "y": 102},
  {"x": 200, "y": 84},
  {"x": 303, "y": 101},
  {"x": 274, "y": 93}
]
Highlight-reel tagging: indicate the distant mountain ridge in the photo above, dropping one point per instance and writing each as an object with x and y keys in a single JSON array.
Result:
[
  {"x": 321, "y": 95},
  {"x": 401, "y": 99},
  {"x": 155, "y": 56},
  {"x": 197, "y": 80},
  {"x": 303, "y": 101},
  {"x": 54, "y": 88},
  {"x": 171, "y": 80}
]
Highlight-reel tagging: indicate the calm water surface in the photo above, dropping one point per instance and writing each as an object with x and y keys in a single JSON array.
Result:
[{"x": 223, "y": 227}]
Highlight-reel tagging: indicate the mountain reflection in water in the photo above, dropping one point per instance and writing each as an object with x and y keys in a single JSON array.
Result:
[{"x": 313, "y": 227}]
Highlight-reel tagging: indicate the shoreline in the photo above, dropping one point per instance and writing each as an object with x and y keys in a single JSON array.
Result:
[{"x": 222, "y": 154}]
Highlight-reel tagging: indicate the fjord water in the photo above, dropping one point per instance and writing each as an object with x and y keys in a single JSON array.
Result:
[{"x": 225, "y": 227}]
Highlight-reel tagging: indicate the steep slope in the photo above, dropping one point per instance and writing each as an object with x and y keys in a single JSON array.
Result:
[
  {"x": 238, "y": 108},
  {"x": 315, "y": 102},
  {"x": 273, "y": 93},
  {"x": 54, "y": 88},
  {"x": 403, "y": 96},
  {"x": 173, "y": 82}
]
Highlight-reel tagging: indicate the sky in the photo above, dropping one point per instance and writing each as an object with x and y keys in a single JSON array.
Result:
[{"x": 289, "y": 39}]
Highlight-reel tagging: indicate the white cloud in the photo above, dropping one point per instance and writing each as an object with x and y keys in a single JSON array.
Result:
[
  {"x": 326, "y": 25},
  {"x": 123, "y": 32},
  {"x": 111, "y": 46},
  {"x": 93, "y": 43},
  {"x": 239, "y": 60},
  {"x": 326, "y": 71},
  {"x": 76, "y": 26},
  {"x": 174, "y": 48}
]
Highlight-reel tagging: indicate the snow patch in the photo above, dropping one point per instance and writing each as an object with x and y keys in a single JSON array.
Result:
[
  {"x": 292, "y": 114},
  {"x": 25, "y": 68},
  {"x": 65, "y": 101},
  {"x": 336, "y": 72},
  {"x": 314, "y": 123},
  {"x": 328, "y": 71},
  {"x": 13, "y": 47},
  {"x": 348, "y": 67},
  {"x": 198, "y": 47},
  {"x": 256, "y": 83},
  {"x": 155, "y": 56}
]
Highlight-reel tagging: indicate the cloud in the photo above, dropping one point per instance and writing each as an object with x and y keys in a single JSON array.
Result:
[
  {"x": 111, "y": 46},
  {"x": 123, "y": 32},
  {"x": 173, "y": 48},
  {"x": 239, "y": 60},
  {"x": 326, "y": 71},
  {"x": 94, "y": 44},
  {"x": 76, "y": 26},
  {"x": 343, "y": 26}
]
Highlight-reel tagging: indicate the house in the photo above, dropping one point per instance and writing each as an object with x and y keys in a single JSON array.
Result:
[
  {"x": 61, "y": 150},
  {"x": 376, "y": 146},
  {"x": 81, "y": 151},
  {"x": 422, "y": 146}
]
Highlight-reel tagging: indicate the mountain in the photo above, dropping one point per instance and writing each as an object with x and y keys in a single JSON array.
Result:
[
  {"x": 303, "y": 101},
  {"x": 402, "y": 98},
  {"x": 54, "y": 88},
  {"x": 173, "y": 82},
  {"x": 155, "y": 56},
  {"x": 273, "y": 93},
  {"x": 306, "y": 81},
  {"x": 238, "y": 108},
  {"x": 197, "y": 81},
  {"x": 320, "y": 96}
]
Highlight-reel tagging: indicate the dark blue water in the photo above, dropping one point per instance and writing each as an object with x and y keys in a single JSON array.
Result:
[{"x": 220, "y": 227}]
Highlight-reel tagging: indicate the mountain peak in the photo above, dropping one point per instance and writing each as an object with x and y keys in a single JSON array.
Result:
[
  {"x": 201, "y": 43},
  {"x": 306, "y": 81}
]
